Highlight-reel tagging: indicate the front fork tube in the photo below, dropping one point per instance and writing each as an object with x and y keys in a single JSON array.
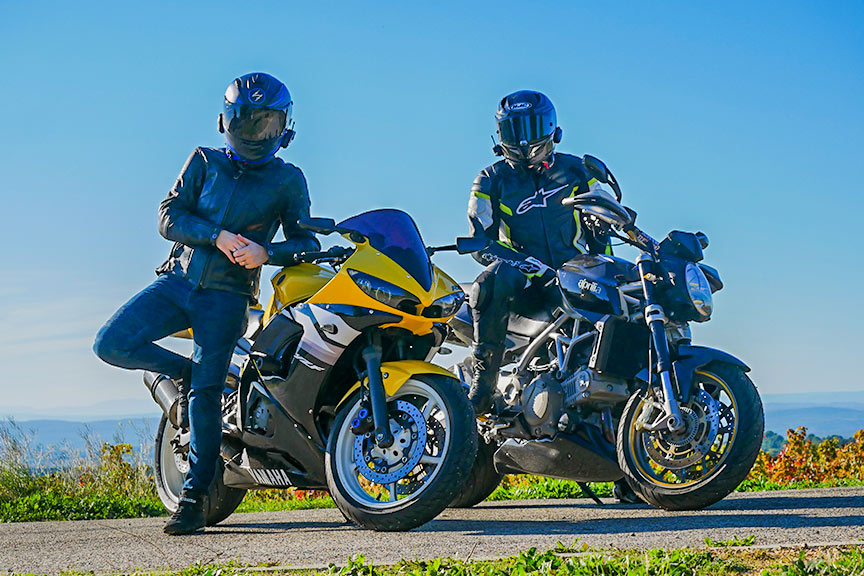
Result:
[
  {"x": 656, "y": 320},
  {"x": 377, "y": 395}
]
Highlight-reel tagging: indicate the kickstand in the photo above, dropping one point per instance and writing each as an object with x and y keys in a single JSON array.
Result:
[{"x": 590, "y": 493}]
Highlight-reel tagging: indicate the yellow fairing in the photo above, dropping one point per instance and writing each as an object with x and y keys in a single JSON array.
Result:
[
  {"x": 395, "y": 374},
  {"x": 342, "y": 289},
  {"x": 294, "y": 284}
]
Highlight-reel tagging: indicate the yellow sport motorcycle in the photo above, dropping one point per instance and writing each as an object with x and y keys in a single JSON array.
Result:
[{"x": 332, "y": 388}]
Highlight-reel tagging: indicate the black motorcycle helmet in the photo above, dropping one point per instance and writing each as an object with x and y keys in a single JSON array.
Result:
[
  {"x": 527, "y": 128},
  {"x": 256, "y": 118}
]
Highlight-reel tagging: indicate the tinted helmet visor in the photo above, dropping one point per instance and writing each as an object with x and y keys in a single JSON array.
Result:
[
  {"x": 522, "y": 130},
  {"x": 255, "y": 124}
]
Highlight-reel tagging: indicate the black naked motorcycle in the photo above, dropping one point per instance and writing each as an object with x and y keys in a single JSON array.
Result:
[{"x": 606, "y": 382}]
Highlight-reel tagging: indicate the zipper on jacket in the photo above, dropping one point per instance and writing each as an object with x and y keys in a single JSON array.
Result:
[{"x": 237, "y": 177}]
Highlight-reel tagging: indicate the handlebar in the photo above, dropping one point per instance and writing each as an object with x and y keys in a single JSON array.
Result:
[{"x": 336, "y": 253}]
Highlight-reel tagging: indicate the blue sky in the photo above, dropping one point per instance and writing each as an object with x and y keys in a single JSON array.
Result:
[{"x": 743, "y": 120}]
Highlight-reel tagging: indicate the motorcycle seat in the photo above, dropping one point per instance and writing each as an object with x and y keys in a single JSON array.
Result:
[{"x": 529, "y": 325}]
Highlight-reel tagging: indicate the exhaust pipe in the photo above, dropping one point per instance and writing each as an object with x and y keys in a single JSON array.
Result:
[{"x": 165, "y": 393}]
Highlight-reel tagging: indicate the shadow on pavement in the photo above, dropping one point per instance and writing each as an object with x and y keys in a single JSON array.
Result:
[
  {"x": 229, "y": 527},
  {"x": 672, "y": 523},
  {"x": 790, "y": 502}
]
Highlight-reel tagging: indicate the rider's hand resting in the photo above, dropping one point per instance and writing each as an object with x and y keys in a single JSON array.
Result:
[
  {"x": 228, "y": 243},
  {"x": 252, "y": 255}
]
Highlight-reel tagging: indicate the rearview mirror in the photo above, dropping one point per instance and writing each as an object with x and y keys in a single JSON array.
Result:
[
  {"x": 472, "y": 244},
  {"x": 597, "y": 169},
  {"x": 318, "y": 225},
  {"x": 600, "y": 204}
]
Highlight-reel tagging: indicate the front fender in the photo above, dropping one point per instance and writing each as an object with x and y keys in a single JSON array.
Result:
[
  {"x": 395, "y": 374},
  {"x": 692, "y": 358}
]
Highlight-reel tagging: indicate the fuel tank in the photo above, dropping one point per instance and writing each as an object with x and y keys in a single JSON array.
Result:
[
  {"x": 295, "y": 284},
  {"x": 590, "y": 282}
]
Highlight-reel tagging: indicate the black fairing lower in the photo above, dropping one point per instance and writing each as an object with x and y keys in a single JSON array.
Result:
[{"x": 567, "y": 456}]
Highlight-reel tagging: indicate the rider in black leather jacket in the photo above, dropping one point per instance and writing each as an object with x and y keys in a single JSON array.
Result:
[
  {"x": 516, "y": 205},
  {"x": 222, "y": 214},
  {"x": 215, "y": 192}
]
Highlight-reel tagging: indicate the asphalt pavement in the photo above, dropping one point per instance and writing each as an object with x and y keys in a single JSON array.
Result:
[{"x": 314, "y": 538}]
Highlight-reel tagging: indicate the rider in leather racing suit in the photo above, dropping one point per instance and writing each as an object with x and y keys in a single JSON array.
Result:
[{"x": 516, "y": 205}]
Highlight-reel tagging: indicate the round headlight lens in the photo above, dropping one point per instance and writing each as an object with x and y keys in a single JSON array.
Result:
[{"x": 699, "y": 290}]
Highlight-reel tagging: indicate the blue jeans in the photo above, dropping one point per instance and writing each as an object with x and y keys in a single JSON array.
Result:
[{"x": 217, "y": 319}]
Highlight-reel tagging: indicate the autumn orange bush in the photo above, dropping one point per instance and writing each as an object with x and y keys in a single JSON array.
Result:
[{"x": 803, "y": 461}]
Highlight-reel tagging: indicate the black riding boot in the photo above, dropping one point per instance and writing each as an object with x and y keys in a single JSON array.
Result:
[
  {"x": 190, "y": 515},
  {"x": 487, "y": 361}
]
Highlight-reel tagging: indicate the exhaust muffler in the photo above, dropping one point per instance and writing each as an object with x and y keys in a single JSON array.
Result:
[{"x": 165, "y": 393}]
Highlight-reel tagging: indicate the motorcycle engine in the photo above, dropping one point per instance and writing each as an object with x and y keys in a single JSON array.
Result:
[
  {"x": 259, "y": 417},
  {"x": 589, "y": 386},
  {"x": 542, "y": 405}
]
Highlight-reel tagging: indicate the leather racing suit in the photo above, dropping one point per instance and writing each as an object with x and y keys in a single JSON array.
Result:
[{"x": 530, "y": 235}]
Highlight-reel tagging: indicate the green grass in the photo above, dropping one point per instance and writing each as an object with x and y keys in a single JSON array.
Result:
[
  {"x": 732, "y": 542},
  {"x": 582, "y": 561},
  {"x": 769, "y": 486},
  {"x": 254, "y": 503}
]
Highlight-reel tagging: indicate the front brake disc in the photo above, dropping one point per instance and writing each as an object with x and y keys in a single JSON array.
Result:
[
  {"x": 676, "y": 451},
  {"x": 386, "y": 466}
]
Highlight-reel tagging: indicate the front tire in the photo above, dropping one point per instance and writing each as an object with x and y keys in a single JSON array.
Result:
[
  {"x": 170, "y": 464},
  {"x": 411, "y": 482},
  {"x": 695, "y": 468}
]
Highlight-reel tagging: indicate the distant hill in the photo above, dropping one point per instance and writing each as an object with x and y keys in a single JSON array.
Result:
[
  {"x": 819, "y": 420},
  {"x": 56, "y": 435}
]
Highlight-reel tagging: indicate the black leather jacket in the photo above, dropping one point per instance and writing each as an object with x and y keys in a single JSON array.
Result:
[
  {"x": 214, "y": 193},
  {"x": 520, "y": 211}
]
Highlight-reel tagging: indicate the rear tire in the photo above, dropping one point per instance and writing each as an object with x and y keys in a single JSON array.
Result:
[
  {"x": 483, "y": 479},
  {"x": 389, "y": 492},
  {"x": 169, "y": 471},
  {"x": 740, "y": 425}
]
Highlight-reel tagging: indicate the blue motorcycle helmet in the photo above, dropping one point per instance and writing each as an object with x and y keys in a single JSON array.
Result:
[
  {"x": 527, "y": 128},
  {"x": 256, "y": 117}
]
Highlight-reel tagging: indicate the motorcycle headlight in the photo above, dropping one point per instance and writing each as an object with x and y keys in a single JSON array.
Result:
[
  {"x": 445, "y": 306},
  {"x": 385, "y": 292},
  {"x": 699, "y": 290}
]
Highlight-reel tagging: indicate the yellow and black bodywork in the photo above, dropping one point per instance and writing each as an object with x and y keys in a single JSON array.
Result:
[{"x": 311, "y": 350}]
